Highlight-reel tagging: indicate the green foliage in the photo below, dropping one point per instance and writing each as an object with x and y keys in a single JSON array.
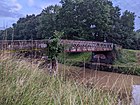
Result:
[
  {"x": 21, "y": 85},
  {"x": 6, "y": 34},
  {"x": 137, "y": 39},
  {"x": 125, "y": 69},
  {"x": 92, "y": 20},
  {"x": 26, "y": 28},
  {"x": 48, "y": 21},
  {"x": 74, "y": 58},
  {"x": 54, "y": 47},
  {"x": 128, "y": 58},
  {"x": 87, "y": 19},
  {"x": 80, "y": 56},
  {"x": 127, "y": 27},
  {"x": 126, "y": 63}
]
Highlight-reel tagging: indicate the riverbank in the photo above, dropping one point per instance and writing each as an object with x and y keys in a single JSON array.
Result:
[
  {"x": 128, "y": 62},
  {"x": 22, "y": 83},
  {"x": 22, "y": 79}
]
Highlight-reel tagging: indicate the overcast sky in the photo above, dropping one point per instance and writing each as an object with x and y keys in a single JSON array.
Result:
[{"x": 12, "y": 10}]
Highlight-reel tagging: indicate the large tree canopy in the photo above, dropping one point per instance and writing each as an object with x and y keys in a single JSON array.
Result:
[{"x": 96, "y": 20}]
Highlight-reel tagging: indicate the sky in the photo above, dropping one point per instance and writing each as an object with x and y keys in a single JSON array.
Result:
[{"x": 12, "y": 10}]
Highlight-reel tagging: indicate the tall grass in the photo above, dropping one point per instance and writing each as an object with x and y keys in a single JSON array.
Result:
[
  {"x": 24, "y": 85},
  {"x": 128, "y": 58}
]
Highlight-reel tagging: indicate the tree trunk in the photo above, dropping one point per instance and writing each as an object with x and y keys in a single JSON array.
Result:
[{"x": 55, "y": 66}]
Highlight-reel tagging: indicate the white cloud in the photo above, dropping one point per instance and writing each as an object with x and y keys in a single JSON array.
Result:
[
  {"x": 16, "y": 6},
  {"x": 30, "y": 2},
  {"x": 10, "y": 8}
]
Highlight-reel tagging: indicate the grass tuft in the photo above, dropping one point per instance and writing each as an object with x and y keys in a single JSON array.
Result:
[{"x": 23, "y": 85}]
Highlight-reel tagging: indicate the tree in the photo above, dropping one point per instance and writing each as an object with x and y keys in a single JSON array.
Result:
[
  {"x": 114, "y": 31},
  {"x": 86, "y": 19},
  {"x": 6, "y": 34},
  {"x": 127, "y": 29},
  {"x": 67, "y": 21},
  {"x": 137, "y": 39},
  {"x": 26, "y": 28},
  {"x": 53, "y": 50},
  {"x": 96, "y": 20},
  {"x": 48, "y": 21}
]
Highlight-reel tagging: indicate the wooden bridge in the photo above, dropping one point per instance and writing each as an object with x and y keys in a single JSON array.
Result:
[{"x": 69, "y": 45}]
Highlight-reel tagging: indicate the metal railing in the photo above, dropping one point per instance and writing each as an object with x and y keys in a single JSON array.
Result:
[{"x": 70, "y": 45}]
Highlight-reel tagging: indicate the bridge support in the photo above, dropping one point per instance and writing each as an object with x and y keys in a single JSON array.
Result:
[{"x": 106, "y": 57}]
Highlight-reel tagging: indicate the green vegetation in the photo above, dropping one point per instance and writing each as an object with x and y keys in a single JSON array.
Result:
[
  {"x": 54, "y": 47},
  {"x": 128, "y": 58},
  {"x": 79, "y": 56},
  {"x": 75, "y": 58},
  {"x": 126, "y": 63},
  {"x": 23, "y": 85},
  {"x": 53, "y": 50},
  {"x": 96, "y": 20}
]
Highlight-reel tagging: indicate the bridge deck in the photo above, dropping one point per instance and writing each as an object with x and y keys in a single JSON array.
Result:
[
  {"x": 86, "y": 46},
  {"x": 69, "y": 45}
]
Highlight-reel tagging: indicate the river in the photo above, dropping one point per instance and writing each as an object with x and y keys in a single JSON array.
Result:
[{"x": 128, "y": 84}]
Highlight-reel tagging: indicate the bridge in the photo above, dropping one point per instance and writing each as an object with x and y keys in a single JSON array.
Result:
[
  {"x": 86, "y": 46},
  {"x": 69, "y": 45},
  {"x": 102, "y": 52}
]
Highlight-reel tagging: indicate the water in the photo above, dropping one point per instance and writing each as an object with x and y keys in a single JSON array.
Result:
[
  {"x": 112, "y": 81},
  {"x": 136, "y": 95}
]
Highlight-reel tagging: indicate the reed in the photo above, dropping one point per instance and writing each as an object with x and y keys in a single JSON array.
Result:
[{"x": 22, "y": 84}]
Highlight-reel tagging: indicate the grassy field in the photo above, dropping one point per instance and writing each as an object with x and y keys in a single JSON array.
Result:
[
  {"x": 21, "y": 84},
  {"x": 128, "y": 58}
]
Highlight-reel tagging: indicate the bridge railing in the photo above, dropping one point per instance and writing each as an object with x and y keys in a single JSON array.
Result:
[
  {"x": 22, "y": 44},
  {"x": 70, "y": 45},
  {"x": 84, "y": 46}
]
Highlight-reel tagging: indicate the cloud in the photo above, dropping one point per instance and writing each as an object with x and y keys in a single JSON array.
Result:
[
  {"x": 10, "y": 8},
  {"x": 16, "y": 5},
  {"x": 30, "y": 2}
]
